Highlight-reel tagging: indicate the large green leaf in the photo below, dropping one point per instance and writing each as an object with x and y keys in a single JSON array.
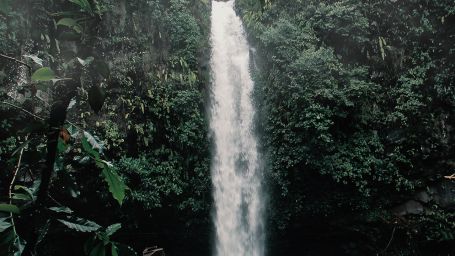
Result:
[
  {"x": 88, "y": 149},
  {"x": 114, "y": 250},
  {"x": 116, "y": 185},
  {"x": 85, "y": 62},
  {"x": 84, "y": 5},
  {"x": 19, "y": 245},
  {"x": 71, "y": 23},
  {"x": 5, "y": 223},
  {"x": 9, "y": 208},
  {"x": 61, "y": 145},
  {"x": 91, "y": 145},
  {"x": 81, "y": 225},
  {"x": 61, "y": 209},
  {"x": 30, "y": 191},
  {"x": 113, "y": 228},
  {"x": 21, "y": 196},
  {"x": 7, "y": 239},
  {"x": 43, "y": 74}
]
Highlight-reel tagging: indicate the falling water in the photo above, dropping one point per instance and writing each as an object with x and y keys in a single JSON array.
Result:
[{"x": 236, "y": 170}]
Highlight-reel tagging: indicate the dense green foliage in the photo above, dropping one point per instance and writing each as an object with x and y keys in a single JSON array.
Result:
[
  {"x": 102, "y": 121},
  {"x": 357, "y": 109}
]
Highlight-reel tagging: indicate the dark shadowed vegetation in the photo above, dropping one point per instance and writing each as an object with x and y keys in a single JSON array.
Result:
[
  {"x": 104, "y": 146},
  {"x": 103, "y": 131}
]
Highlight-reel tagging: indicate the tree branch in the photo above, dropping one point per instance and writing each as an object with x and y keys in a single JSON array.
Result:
[
  {"x": 15, "y": 60},
  {"x": 38, "y": 117},
  {"x": 390, "y": 240},
  {"x": 10, "y": 191},
  {"x": 24, "y": 110}
]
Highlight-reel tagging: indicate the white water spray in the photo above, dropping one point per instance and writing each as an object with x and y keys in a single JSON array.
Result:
[{"x": 236, "y": 173}]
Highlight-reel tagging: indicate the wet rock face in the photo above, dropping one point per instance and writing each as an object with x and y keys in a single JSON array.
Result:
[
  {"x": 442, "y": 194},
  {"x": 410, "y": 207}
]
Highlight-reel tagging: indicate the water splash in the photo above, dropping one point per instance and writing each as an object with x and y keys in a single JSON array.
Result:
[{"x": 236, "y": 170}]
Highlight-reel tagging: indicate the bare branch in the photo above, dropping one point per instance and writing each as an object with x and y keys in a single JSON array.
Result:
[
  {"x": 24, "y": 110},
  {"x": 10, "y": 191},
  {"x": 36, "y": 116},
  {"x": 390, "y": 241},
  {"x": 15, "y": 60}
]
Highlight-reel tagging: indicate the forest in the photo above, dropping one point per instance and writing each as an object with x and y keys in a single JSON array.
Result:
[{"x": 107, "y": 147}]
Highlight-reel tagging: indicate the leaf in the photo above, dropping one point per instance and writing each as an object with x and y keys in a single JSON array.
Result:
[
  {"x": 116, "y": 185},
  {"x": 114, "y": 250},
  {"x": 9, "y": 208},
  {"x": 98, "y": 250},
  {"x": 113, "y": 228},
  {"x": 71, "y": 104},
  {"x": 35, "y": 59},
  {"x": 29, "y": 191},
  {"x": 71, "y": 23},
  {"x": 61, "y": 145},
  {"x": 59, "y": 165},
  {"x": 83, "y": 4},
  {"x": 21, "y": 196},
  {"x": 5, "y": 223},
  {"x": 61, "y": 209},
  {"x": 73, "y": 131},
  {"x": 85, "y": 62},
  {"x": 91, "y": 145},
  {"x": 23, "y": 145},
  {"x": 7, "y": 239},
  {"x": 43, "y": 74},
  {"x": 81, "y": 225},
  {"x": 19, "y": 244},
  {"x": 64, "y": 14},
  {"x": 82, "y": 160}
]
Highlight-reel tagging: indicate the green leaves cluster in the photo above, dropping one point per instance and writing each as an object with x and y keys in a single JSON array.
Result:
[
  {"x": 354, "y": 116},
  {"x": 100, "y": 244},
  {"x": 115, "y": 183},
  {"x": 131, "y": 76}
]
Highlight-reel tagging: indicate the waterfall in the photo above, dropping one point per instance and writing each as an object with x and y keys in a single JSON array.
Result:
[{"x": 236, "y": 172}]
